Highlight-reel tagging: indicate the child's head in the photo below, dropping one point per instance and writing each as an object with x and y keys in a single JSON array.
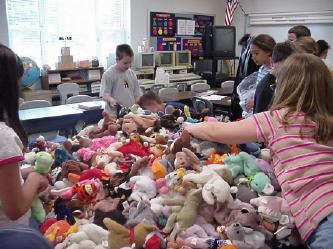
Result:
[
  {"x": 11, "y": 71},
  {"x": 124, "y": 56},
  {"x": 323, "y": 48},
  {"x": 297, "y": 32},
  {"x": 305, "y": 85},
  {"x": 150, "y": 101},
  {"x": 306, "y": 44},
  {"x": 262, "y": 48},
  {"x": 281, "y": 51}
]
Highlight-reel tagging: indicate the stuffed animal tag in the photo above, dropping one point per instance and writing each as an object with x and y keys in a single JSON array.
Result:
[
  {"x": 125, "y": 204},
  {"x": 105, "y": 243},
  {"x": 194, "y": 241},
  {"x": 284, "y": 220}
]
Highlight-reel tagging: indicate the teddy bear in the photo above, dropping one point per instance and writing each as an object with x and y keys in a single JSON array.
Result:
[
  {"x": 187, "y": 159},
  {"x": 215, "y": 188},
  {"x": 245, "y": 238},
  {"x": 122, "y": 237},
  {"x": 243, "y": 163},
  {"x": 144, "y": 188},
  {"x": 186, "y": 213},
  {"x": 110, "y": 127}
]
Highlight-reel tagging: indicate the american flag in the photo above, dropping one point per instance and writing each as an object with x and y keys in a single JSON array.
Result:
[{"x": 229, "y": 11}]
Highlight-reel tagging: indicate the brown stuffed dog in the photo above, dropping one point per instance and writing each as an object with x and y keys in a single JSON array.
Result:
[{"x": 109, "y": 128}]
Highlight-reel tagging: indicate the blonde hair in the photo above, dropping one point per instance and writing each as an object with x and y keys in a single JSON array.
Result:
[
  {"x": 306, "y": 44},
  {"x": 304, "y": 85}
]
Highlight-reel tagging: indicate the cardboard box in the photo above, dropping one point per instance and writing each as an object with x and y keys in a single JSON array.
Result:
[
  {"x": 28, "y": 94},
  {"x": 65, "y": 51}
]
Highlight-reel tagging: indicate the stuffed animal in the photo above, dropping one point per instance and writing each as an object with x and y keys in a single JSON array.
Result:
[
  {"x": 242, "y": 163},
  {"x": 208, "y": 148},
  {"x": 187, "y": 159},
  {"x": 43, "y": 165},
  {"x": 245, "y": 238},
  {"x": 183, "y": 219},
  {"x": 144, "y": 188},
  {"x": 160, "y": 168},
  {"x": 120, "y": 236},
  {"x": 109, "y": 127},
  {"x": 141, "y": 213},
  {"x": 174, "y": 180},
  {"x": 215, "y": 188},
  {"x": 56, "y": 232},
  {"x": 268, "y": 170}
]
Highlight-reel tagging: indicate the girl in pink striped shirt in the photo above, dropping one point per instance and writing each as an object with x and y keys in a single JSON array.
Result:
[{"x": 299, "y": 132}]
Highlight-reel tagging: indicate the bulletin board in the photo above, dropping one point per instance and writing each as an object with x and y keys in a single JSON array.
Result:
[{"x": 166, "y": 34}]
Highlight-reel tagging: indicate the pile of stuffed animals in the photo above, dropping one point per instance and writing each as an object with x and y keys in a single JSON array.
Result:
[{"x": 141, "y": 181}]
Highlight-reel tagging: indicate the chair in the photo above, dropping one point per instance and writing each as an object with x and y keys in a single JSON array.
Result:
[
  {"x": 79, "y": 99},
  {"x": 155, "y": 88},
  {"x": 67, "y": 90},
  {"x": 199, "y": 104},
  {"x": 21, "y": 100},
  {"x": 182, "y": 87},
  {"x": 32, "y": 104},
  {"x": 227, "y": 86},
  {"x": 142, "y": 90},
  {"x": 166, "y": 91},
  {"x": 200, "y": 87}
]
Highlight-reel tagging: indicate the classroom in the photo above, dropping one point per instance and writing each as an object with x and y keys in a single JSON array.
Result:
[{"x": 166, "y": 124}]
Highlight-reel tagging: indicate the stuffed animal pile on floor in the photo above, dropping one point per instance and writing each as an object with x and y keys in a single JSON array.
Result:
[{"x": 140, "y": 181}]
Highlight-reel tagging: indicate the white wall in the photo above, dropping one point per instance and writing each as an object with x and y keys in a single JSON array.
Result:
[
  {"x": 3, "y": 24},
  {"x": 141, "y": 8},
  {"x": 279, "y": 32}
]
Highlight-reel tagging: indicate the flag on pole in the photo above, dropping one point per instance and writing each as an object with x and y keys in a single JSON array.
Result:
[{"x": 229, "y": 11}]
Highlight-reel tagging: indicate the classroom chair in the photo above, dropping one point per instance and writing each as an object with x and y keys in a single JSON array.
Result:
[
  {"x": 79, "y": 99},
  {"x": 155, "y": 88},
  {"x": 166, "y": 91},
  {"x": 200, "y": 87},
  {"x": 67, "y": 90},
  {"x": 227, "y": 86},
  {"x": 32, "y": 104},
  {"x": 182, "y": 87}
]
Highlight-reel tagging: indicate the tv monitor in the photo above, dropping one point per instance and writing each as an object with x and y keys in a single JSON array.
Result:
[
  {"x": 219, "y": 41},
  {"x": 145, "y": 60},
  {"x": 165, "y": 58},
  {"x": 183, "y": 58},
  {"x": 224, "y": 41}
]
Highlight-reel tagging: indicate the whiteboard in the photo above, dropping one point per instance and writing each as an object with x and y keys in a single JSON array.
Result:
[{"x": 280, "y": 33}]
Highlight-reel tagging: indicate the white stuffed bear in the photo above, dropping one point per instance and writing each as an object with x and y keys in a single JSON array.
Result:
[
  {"x": 214, "y": 187},
  {"x": 144, "y": 188}
]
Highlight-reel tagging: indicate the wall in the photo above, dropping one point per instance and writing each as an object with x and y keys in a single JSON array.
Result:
[
  {"x": 141, "y": 8},
  {"x": 3, "y": 24},
  {"x": 279, "y": 32}
]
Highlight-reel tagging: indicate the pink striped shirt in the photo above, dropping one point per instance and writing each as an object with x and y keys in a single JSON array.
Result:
[{"x": 303, "y": 167}]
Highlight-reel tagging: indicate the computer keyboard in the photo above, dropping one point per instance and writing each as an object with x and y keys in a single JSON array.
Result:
[{"x": 185, "y": 76}]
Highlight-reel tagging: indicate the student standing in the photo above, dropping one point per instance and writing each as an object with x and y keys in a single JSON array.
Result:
[{"x": 297, "y": 32}]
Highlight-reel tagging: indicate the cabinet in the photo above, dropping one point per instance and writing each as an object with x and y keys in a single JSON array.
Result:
[{"x": 89, "y": 80}]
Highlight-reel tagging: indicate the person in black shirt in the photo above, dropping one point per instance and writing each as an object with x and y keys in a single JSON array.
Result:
[{"x": 264, "y": 94}]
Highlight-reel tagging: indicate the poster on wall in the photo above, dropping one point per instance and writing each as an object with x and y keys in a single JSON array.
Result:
[
  {"x": 169, "y": 43},
  {"x": 185, "y": 27},
  {"x": 201, "y": 22},
  {"x": 194, "y": 45},
  {"x": 162, "y": 24}
]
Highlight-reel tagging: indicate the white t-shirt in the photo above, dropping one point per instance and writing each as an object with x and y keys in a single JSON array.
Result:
[{"x": 10, "y": 152}]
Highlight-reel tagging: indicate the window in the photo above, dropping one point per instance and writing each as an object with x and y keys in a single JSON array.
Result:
[{"x": 96, "y": 27}]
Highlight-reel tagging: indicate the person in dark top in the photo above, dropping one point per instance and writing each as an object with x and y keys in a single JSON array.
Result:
[
  {"x": 246, "y": 66},
  {"x": 264, "y": 94}
]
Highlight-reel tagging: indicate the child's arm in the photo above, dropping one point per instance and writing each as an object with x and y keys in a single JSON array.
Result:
[
  {"x": 136, "y": 89},
  {"x": 239, "y": 132},
  {"x": 16, "y": 199},
  {"x": 106, "y": 90}
]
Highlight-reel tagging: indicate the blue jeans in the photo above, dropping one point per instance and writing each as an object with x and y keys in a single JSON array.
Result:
[{"x": 322, "y": 237}]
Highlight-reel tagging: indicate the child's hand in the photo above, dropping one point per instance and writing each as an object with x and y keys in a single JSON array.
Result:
[
  {"x": 41, "y": 181},
  {"x": 111, "y": 101}
]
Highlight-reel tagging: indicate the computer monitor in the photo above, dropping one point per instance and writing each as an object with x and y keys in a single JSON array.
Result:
[
  {"x": 144, "y": 60},
  {"x": 165, "y": 58},
  {"x": 224, "y": 41},
  {"x": 183, "y": 58}
]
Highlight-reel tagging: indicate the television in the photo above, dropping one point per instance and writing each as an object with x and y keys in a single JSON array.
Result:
[
  {"x": 165, "y": 58},
  {"x": 144, "y": 60},
  {"x": 219, "y": 41},
  {"x": 183, "y": 58}
]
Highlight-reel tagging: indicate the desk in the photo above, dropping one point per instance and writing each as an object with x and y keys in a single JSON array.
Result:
[
  {"x": 90, "y": 116},
  {"x": 189, "y": 94},
  {"x": 49, "y": 118}
]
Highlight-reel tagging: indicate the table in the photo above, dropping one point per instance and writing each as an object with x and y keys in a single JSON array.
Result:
[
  {"x": 189, "y": 94},
  {"x": 51, "y": 118},
  {"x": 90, "y": 116}
]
